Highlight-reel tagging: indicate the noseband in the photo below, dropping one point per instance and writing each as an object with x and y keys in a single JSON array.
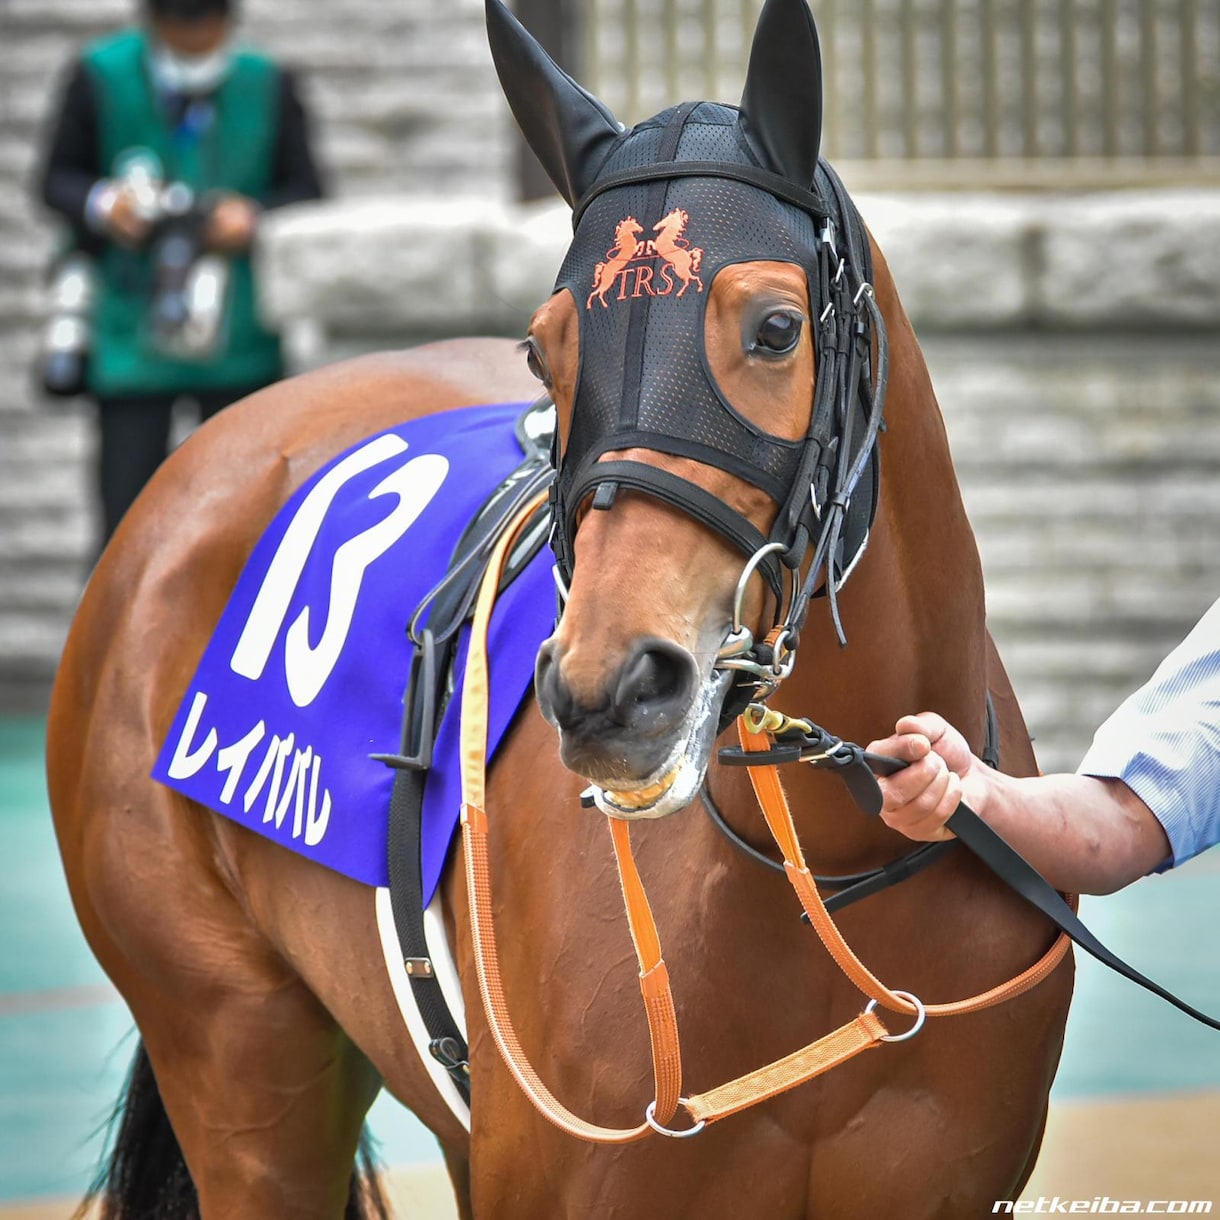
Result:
[{"x": 649, "y": 387}]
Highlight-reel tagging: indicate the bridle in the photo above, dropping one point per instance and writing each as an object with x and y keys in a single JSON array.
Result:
[
  {"x": 614, "y": 178},
  {"x": 849, "y": 324},
  {"x": 768, "y": 739},
  {"x": 825, "y": 485}
]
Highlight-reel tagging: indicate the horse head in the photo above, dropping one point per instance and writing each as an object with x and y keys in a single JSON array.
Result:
[{"x": 688, "y": 439}]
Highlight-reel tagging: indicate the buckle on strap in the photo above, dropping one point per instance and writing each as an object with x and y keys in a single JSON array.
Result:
[
  {"x": 796, "y": 740},
  {"x": 419, "y": 703},
  {"x": 451, "y": 1055}
]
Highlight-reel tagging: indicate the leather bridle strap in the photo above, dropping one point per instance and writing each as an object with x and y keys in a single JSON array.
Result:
[
  {"x": 774, "y": 184},
  {"x": 774, "y": 804},
  {"x": 654, "y": 982},
  {"x": 692, "y": 499}
]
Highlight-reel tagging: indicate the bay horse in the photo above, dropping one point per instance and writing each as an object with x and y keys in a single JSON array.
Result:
[{"x": 267, "y": 1022}]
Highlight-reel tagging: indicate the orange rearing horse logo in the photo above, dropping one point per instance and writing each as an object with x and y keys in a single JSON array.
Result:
[
  {"x": 626, "y": 243},
  {"x": 681, "y": 261},
  {"x": 684, "y": 258}
]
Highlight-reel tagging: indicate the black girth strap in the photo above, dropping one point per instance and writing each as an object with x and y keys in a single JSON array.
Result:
[{"x": 445, "y": 1040}]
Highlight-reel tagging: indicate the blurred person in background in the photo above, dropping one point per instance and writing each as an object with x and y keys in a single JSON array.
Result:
[{"x": 168, "y": 143}]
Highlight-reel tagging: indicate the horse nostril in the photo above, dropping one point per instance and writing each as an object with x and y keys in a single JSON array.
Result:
[
  {"x": 554, "y": 698},
  {"x": 657, "y": 680}
]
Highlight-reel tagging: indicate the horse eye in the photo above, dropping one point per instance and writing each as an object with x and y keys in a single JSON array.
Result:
[
  {"x": 535, "y": 363},
  {"x": 779, "y": 332}
]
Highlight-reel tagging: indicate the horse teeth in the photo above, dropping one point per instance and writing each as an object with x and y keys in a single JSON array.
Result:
[{"x": 642, "y": 796}]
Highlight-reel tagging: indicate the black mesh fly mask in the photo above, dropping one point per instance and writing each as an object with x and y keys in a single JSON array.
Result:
[{"x": 678, "y": 199}]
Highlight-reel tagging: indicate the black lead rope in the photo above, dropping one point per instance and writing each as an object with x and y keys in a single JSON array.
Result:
[
  {"x": 1015, "y": 871},
  {"x": 857, "y": 768},
  {"x": 853, "y": 768}
]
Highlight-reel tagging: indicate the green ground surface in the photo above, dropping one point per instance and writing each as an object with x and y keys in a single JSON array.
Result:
[{"x": 65, "y": 1041}]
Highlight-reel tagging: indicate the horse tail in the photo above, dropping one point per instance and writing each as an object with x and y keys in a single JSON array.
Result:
[
  {"x": 696, "y": 258},
  {"x": 144, "y": 1173}
]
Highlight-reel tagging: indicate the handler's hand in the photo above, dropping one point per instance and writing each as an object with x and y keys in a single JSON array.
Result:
[{"x": 919, "y": 800}]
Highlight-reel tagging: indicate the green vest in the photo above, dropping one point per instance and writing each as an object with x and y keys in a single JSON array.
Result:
[{"x": 236, "y": 154}]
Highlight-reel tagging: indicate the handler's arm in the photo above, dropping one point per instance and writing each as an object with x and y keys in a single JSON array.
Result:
[{"x": 1084, "y": 835}]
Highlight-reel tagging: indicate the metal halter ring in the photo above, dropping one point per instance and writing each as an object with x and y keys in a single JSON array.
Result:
[
  {"x": 744, "y": 579},
  {"x": 921, "y": 1015},
  {"x": 650, "y": 1118}
]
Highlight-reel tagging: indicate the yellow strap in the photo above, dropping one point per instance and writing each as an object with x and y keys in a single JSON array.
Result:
[
  {"x": 860, "y": 1034},
  {"x": 658, "y": 1002}
]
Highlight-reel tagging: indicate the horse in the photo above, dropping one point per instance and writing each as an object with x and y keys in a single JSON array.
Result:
[
  {"x": 267, "y": 1022},
  {"x": 676, "y": 250},
  {"x": 626, "y": 243}
]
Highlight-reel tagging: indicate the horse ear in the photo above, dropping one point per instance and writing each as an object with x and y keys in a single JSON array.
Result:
[
  {"x": 781, "y": 104},
  {"x": 569, "y": 130}
]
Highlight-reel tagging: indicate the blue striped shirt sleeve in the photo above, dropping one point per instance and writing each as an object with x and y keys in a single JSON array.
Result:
[{"x": 1164, "y": 742}]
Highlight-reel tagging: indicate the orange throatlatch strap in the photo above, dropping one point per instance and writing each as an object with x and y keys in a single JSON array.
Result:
[{"x": 774, "y": 803}]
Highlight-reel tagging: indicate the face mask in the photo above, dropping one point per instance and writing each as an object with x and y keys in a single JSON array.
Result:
[{"x": 190, "y": 74}]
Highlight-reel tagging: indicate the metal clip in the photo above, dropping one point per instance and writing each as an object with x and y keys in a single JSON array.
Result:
[
  {"x": 650, "y": 1117},
  {"x": 921, "y": 1015},
  {"x": 762, "y": 719}
]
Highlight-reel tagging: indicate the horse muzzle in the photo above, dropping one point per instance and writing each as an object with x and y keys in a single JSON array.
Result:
[{"x": 636, "y": 731}]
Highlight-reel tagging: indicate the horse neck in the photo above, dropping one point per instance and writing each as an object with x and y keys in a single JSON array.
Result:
[{"x": 913, "y": 612}]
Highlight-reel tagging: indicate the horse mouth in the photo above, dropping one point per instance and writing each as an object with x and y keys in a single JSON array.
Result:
[{"x": 675, "y": 783}]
